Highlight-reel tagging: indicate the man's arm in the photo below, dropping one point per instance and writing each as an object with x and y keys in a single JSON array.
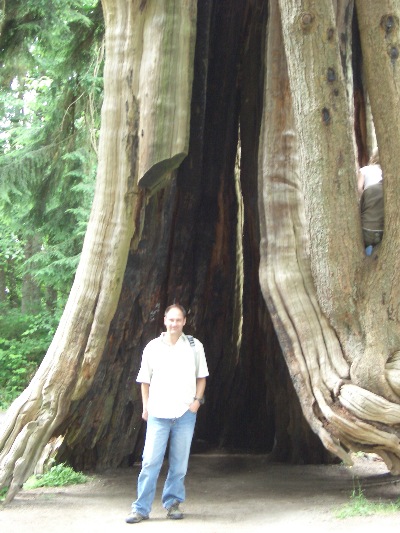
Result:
[
  {"x": 360, "y": 183},
  {"x": 145, "y": 399},
  {"x": 200, "y": 388}
]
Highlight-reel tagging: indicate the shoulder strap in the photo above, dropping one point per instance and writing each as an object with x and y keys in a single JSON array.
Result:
[
  {"x": 191, "y": 340},
  {"x": 196, "y": 356}
]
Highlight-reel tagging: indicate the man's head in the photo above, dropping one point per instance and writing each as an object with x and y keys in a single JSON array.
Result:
[
  {"x": 175, "y": 319},
  {"x": 178, "y": 306}
]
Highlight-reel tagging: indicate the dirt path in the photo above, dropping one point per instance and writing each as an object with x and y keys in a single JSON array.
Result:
[{"x": 225, "y": 493}]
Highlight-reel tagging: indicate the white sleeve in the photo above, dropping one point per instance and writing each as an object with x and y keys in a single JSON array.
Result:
[{"x": 145, "y": 371}]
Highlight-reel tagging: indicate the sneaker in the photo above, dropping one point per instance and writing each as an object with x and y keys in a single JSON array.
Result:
[
  {"x": 174, "y": 512},
  {"x": 134, "y": 518}
]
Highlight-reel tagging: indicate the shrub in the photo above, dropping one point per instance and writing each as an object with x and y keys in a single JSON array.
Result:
[{"x": 58, "y": 476}]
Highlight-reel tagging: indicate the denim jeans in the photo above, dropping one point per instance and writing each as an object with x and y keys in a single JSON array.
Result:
[{"x": 159, "y": 430}]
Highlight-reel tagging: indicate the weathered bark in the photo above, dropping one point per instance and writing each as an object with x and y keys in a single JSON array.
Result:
[
  {"x": 321, "y": 113},
  {"x": 165, "y": 88},
  {"x": 379, "y": 30},
  {"x": 347, "y": 295},
  {"x": 309, "y": 345}
]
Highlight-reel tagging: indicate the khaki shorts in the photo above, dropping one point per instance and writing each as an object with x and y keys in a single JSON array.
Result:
[{"x": 372, "y": 237}]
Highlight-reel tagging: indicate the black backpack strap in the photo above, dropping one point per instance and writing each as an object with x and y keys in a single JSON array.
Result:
[{"x": 191, "y": 340}]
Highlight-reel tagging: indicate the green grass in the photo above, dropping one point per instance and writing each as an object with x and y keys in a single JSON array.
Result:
[
  {"x": 57, "y": 476},
  {"x": 360, "y": 506}
]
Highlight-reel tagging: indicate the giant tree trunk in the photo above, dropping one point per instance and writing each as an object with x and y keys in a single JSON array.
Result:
[
  {"x": 261, "y": 252},
  {"x": 353, "y": 292}
]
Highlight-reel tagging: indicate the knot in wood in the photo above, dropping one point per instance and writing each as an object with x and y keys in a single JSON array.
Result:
[
  {"x": 306, "y": 20},
  {"x": 331, "y": 75},
  {"x": 326, "y": 116},
  {"x": 388, "y": 23},
  {"x": 394, "y": 53}
]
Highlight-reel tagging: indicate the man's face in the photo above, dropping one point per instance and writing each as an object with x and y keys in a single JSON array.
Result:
[{"x": 174, "y": 321}]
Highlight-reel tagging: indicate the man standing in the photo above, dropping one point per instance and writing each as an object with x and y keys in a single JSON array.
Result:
[{"x": 173, "y": 379}]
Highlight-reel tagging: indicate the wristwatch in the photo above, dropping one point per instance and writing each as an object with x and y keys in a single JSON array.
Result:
[{"x": 200, "y": 400}]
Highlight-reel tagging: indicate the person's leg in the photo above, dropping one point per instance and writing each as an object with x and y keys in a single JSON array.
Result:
[
  {"x": 179, "y": 449},
  {"x": 371, "y": 239},
  {"x": 153, "y": 454}
]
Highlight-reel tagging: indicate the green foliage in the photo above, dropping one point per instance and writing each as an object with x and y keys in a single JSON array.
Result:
[
  {"x": 360, "y": 506},
  {"x": 24, "y": 340},
  {"x": 11, "y": 261},
  {"x": 57, "y": 476},
  {"x": 51, "y": 53},
  {"x": 3, "y": 493},
  {"x": 51, "y": 89}
]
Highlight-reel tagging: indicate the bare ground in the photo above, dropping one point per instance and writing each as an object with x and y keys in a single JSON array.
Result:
[{"x": 234, "y": 493}]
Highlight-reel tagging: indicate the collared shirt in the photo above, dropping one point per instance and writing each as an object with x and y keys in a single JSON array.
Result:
[{"x": 171, "y": 372}]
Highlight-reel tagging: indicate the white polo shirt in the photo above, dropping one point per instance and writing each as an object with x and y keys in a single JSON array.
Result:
[{"x": 171, "y": 373}]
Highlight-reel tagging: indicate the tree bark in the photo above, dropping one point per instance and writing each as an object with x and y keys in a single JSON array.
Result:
[
  {"x": 352, "y": 296},
  {"x": 310, "y": 347},
  {"x": 379, "y": 306},
  {"x": 165, "y": 88}
]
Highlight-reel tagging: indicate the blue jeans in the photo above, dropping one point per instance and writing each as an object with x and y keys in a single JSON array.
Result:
[
  {"x": 368, "y": 249},
  {"x": 159, "y": 430}
]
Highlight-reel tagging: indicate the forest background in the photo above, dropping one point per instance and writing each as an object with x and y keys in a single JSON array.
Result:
[{"x": 51, "y": 89}]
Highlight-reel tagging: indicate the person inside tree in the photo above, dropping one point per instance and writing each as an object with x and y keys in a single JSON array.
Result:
[{"x": 370, "y": 188}]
